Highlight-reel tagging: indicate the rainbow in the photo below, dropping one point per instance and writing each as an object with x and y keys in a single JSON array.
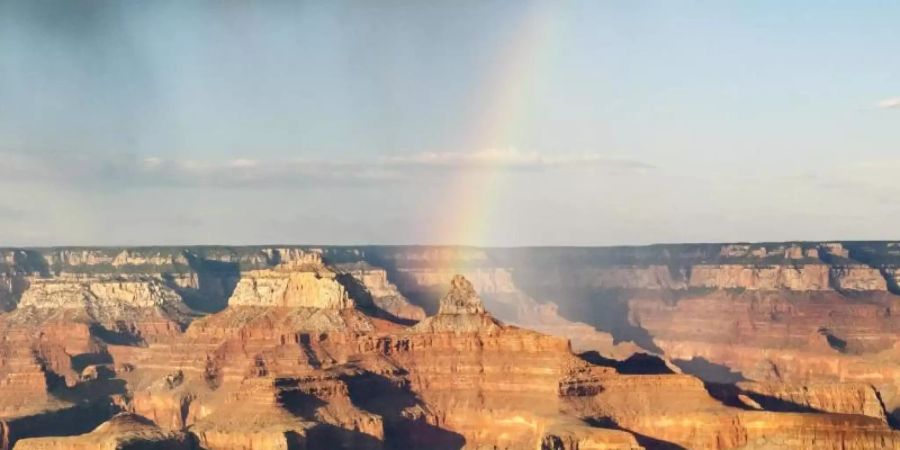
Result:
[{"x": 471, "y": 196}]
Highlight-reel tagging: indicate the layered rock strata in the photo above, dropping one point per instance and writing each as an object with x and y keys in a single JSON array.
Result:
[
  {"x": 381, "y": 292},
  {"x": 122, "y": 432},
  {"x": 286, "y": 352}
]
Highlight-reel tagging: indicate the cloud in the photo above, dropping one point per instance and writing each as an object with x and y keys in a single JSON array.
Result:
[
  {"x": 512, "y": 158},
  {"x": 890, "y": 103},
  {"x": 132, "y": 171}
]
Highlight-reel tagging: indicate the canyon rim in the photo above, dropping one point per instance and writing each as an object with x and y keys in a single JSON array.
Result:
[
  {"x": 449, "y": 225},
  {"x": 713, "y": 346}
]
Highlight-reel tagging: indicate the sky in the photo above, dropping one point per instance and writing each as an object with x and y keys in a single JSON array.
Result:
[{"x": 495, "y": 123}]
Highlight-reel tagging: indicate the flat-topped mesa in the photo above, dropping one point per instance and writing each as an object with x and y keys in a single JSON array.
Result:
[
  {"x": 132, "y": 307},
  {"x": 294, "y": 296},
  {"x": 461, "y": 299},
  {"x": 98, "y": 292},
  {"x": 293, "y": 284}
]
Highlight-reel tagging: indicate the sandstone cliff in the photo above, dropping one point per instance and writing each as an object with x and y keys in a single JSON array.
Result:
[
  {"x": 286, "y": 286},
  {"x": 373, "y": 285},
  {"x": 811, "y": 277},
  {"x": 122, "y": 432},
  {"x": 273, "y": 347}
]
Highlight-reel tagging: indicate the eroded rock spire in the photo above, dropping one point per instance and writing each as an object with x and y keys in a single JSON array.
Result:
[
  {"x": 461, "y": 311},
  {"x": 461, "y": 299}
]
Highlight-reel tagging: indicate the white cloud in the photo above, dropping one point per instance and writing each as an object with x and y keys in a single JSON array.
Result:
[
  {"x": 890, "y": 103},
  {"x": 243, "y": 163},
  {"x": 153, "y": 171},
  {"x": 511, "y": 158}
]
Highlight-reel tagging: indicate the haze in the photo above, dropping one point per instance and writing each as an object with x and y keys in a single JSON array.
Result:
[{"x": 479, "y": 123}]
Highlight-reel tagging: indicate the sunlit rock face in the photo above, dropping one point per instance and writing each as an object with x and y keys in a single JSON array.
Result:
[
  {"x": 329, "y": 348},
  {"x": 371, "y": 286},
  {"x": 100, "y": 293},
  {"x": 284, "y": 287},
  {"x": 124, "y": 431},
  {"x": 461, "y": 299},
  {"x": 802, "y": 313},
  {"x": 460, "y": 311}
]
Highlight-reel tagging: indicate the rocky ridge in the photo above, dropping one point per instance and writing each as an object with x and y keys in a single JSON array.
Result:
[{"x": 299, "y": 354}]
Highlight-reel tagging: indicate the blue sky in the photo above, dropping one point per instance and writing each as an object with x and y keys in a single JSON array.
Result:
[{"x": 597, "y": 122}]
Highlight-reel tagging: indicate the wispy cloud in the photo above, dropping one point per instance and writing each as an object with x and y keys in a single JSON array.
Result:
[
  {"x": 244, "y": 172},
  {"x": 889, "y": 103},
  {"x": 135, "y": 171},
  {"x": 512, "y": 158}
]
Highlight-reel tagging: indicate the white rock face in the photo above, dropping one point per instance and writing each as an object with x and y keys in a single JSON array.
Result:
[
  {"x": 126, "y": 258},
  {"x": 376, "y": 281},
  {"x": 287, "y": 287},
  {"x": 808, "y": 277},
  {"x": 61, "y": 293}
]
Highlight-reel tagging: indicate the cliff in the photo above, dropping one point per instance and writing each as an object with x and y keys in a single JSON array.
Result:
[
  {"x": 371, "y": 285},
  {"x": 725, "y": 346},
  {"x": 122, "y": 432},
  {"x": 290, "y": 286}
]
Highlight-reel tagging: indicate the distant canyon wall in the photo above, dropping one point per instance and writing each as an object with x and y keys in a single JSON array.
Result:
[{"x": 798, "y": 327}]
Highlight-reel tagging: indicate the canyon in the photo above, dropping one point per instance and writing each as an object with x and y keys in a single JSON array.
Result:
[{"x": 695, "y": 346}]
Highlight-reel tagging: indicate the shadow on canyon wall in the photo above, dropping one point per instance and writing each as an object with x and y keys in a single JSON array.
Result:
[
  {"x": 216, "y": 281},
  {"x": 297, "y": 402},
  {"x": 709, "y": 371},
  {"x": 643, "y": 440},
  {"x": 322, "y": 436},
  {"x": 636, "y": 364},
  {"x": 31, "y": 262},
  {"x": 364, "y": 301},
  {"x": 428, "y": 299},
  {"x": 604, "y": 309},
  {"x": 389, "y": 398},
  {"x": 325, "y": 436},
  {"x": 82, "y": 360},
  {"x": 67, "y": 422},
  {"x": 121, "y": 335},
  {"x": 729, "y": 395},
  {"x": 13, "y": 277}
]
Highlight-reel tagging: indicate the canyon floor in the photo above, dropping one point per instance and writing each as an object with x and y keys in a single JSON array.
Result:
[{"x": 702, "y": 346}]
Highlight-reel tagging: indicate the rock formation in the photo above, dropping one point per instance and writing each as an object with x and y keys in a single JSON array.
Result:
[
  {"x": 372, "y": 284},
  {"x": 122, "y": 432},
  {"x": 290, "y": 286},
  {"x": 805, "y": 313},
  {"x": 268, "y": 348}
]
